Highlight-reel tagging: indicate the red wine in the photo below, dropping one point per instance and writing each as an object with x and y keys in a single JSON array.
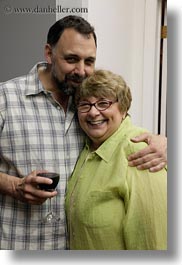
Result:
[{"x": 50, "y": 175}]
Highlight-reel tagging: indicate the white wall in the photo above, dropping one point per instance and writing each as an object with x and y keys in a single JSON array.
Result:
[
  {"x": 128, "y": 38},
  {"x": 128, "y": 44}
]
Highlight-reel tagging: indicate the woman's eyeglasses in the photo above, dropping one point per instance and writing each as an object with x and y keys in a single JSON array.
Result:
[{"x": 101, "y": 105}]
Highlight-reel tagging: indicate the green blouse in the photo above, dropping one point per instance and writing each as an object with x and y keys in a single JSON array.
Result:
[{"x": 112, "y": 206}]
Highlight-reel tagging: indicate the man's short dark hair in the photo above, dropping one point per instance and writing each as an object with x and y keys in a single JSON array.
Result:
[{"x": 77, "y": 23}]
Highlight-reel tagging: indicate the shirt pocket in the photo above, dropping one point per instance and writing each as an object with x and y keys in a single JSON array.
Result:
[{"x": 98, "y": 209}]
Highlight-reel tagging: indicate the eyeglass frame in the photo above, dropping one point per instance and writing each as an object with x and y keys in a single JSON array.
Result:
[{"x": 95, "y": 105}]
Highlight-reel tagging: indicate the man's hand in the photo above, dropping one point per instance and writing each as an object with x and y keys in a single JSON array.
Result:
[
  {"x": 154, "y": 156},
  {"x": 27, "y": 189}
]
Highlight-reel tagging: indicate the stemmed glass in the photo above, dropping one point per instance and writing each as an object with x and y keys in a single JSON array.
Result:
[{"x": 50, "y": 216}]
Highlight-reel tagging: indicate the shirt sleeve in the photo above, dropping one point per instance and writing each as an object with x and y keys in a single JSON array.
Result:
[{"x": 145, "y": 223}]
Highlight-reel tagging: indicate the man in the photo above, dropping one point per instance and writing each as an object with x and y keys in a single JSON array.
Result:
[{"x": 39, "y": 128}]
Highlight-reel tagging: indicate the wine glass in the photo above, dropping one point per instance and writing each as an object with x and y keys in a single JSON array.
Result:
[{"x": 50, "y": 216}]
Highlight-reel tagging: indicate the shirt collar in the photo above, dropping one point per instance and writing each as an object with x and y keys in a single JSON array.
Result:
[{"x": 33, "y": 85}]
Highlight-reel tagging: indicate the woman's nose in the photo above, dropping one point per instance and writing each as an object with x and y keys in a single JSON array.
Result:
[{"x": 93, "y": 111}]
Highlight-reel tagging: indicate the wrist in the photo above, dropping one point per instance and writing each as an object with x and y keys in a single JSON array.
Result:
[{"x": 9, "y": 185}]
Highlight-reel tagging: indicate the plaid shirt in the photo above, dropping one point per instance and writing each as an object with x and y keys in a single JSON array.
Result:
[{"x": 34, "y": 131}]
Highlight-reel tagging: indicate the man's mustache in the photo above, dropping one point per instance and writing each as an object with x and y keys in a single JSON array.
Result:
[{"x": 75, "y": 78}]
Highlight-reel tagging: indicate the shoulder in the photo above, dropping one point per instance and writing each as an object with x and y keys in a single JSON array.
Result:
[
  {"x": 13, "y": 83},
  {"x": 134, "y": 147},
  {"x": 132, "y": 131},
  {"x": 20, "y": 82},
  {"x": 10, "y": 91}
]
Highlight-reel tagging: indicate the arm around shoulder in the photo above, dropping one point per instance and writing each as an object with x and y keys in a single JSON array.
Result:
[{"x": 152, "y": 157}]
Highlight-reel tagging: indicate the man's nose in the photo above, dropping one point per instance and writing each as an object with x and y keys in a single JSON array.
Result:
[{"x": 80, "y": 69}]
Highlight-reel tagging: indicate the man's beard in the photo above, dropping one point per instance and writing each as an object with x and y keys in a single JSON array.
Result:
[{"x": 66, "y": 87}]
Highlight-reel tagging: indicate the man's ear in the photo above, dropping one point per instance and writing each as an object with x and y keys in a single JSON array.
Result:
[{"x": 48, "y": 53}]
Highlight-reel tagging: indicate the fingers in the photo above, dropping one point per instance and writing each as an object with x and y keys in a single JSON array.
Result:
[
  {"x": 146, "y": 159},
  {"x": 148, "y": 162},
  {"x": 144, "y": 137},
  {"x": 33, "y": 179},
  {"x": 38, "y": 197},
  {"x": 146, "y": 153},
  {"x": 158, "y": 167},
  {"x": 29, "y": 190},
  {"x": 152, "y": 157}
]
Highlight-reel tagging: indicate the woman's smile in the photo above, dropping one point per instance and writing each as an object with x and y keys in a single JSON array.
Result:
[{"x": 100, "y": 124}]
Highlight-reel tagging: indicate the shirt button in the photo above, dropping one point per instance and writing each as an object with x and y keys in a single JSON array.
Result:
[{"x": 91, "y": 156}]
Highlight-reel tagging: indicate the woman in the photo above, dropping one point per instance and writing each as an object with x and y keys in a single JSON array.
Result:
[{"x": 110, "y": 205}]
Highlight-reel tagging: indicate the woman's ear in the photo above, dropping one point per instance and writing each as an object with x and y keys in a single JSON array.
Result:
[
  {"x": 48, "y": 53},
  {"x": 124, "y": 115}
]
